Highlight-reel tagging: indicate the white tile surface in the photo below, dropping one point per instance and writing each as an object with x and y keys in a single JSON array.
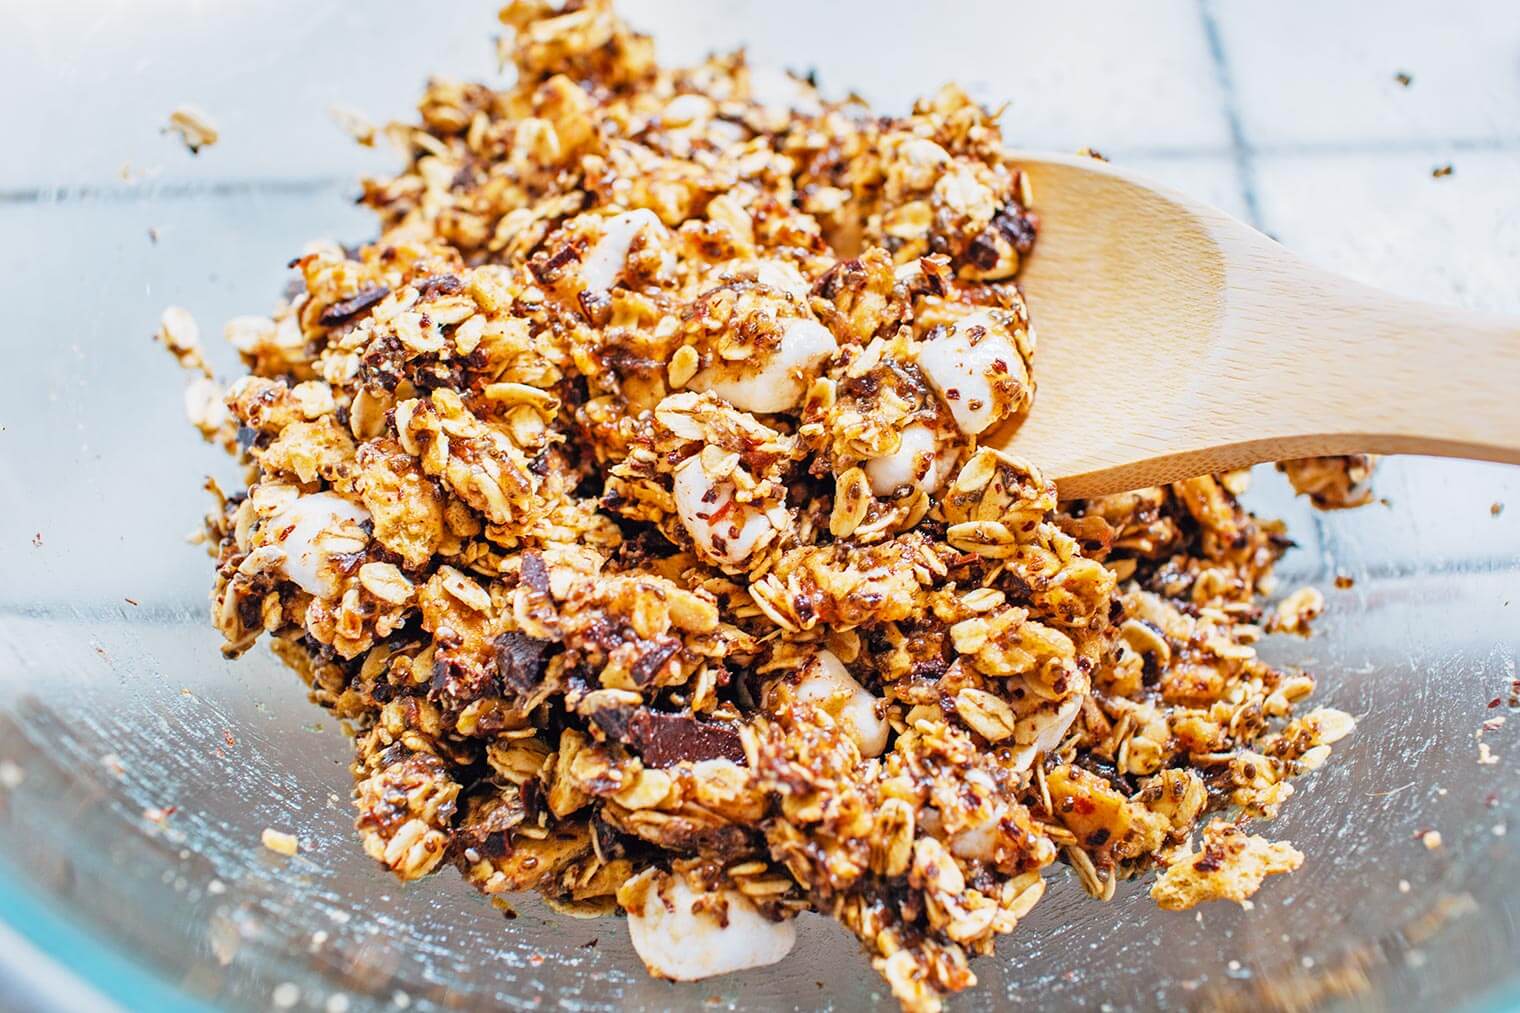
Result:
[
  {"x": 1074, "y": 74},
  {"x": 1382, "y": 219},
  {"x": 1322, "y": 73},
  {"x": 103, "y": 75}
]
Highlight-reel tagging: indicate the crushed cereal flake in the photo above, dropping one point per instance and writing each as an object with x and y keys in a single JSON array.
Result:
[
  {"x": 1230, "y": 866},
  {"x": 637, "y": 462}
]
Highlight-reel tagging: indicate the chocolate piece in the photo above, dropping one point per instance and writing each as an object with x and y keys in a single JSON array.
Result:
[
  {"x": 520, "y": 661},
  {"x": 663, "y": 740},
  {"x": 649, "y": 664},
  {"x": 437, "y": 285},
  {"x": 534, "y": 573},
  {"x": 345, "y": 310}
]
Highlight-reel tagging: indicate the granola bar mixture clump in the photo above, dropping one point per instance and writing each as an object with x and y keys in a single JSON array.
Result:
[{"x": 627, "y": 501}]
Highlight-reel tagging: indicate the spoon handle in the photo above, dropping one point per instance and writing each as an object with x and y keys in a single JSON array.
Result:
[{"x": 1352, "y": 369}]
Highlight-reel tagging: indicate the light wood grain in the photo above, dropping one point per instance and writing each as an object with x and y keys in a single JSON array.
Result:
[{"x": 1174, "y": 341}]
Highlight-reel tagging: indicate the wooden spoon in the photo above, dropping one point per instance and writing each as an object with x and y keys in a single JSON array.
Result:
[{"x": 1174, "y": 341}]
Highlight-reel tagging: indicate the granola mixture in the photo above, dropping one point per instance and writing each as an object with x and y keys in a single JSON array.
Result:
[{"x": 625, "y": 498}]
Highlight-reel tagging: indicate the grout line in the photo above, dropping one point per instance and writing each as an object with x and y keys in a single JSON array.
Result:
[
  {"x": 1244, "y": 167},
  {"x": 173, "y": 190}
]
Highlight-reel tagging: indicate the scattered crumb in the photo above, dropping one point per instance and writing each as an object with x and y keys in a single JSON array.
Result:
[
  {"x": 160, "y": 815},
  {"x": 113, "y": 763},
  {"x": 216, "y": 887},
  {"x": 11, "y": 775},
  {"x": 401, "y": 1000},
  {"x": 1344, "y": 581},
  {"x": 194, "y": 128},
  {"x": 1403, "y": 886},
  {"x": 153, "y": 234},
  {"x": 37, "y": 540},
  {"x": 280, "y": 842},
  {"x": 1495, "y": 723},
  {"x": 285, "y": 995},
  {"x": 501, "y": 904},
  {"x": 1431, "y": 839},
  {"x": 354, "y": 123},
  {"x": 1442, "y": 171},
  {"x": 181, "y": 335},
  {"x": 1499, "y": 829},
  {"x": 1404, "y": 78},
  {"x": 1486, "y": 756},
  {"x": 1093, "y": 153},
  {"x": 589, "y": 944},
  {"x": 131, "y": 601},
  {"x": 1296, "y": 612},
  {"x": 1495, "y": 508},
  {"x": 536, "y": 959},
  {"x": 318, "y": 939}
]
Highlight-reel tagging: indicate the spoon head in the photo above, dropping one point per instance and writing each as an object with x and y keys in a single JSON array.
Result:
[{"x": 1126, "y": 290}]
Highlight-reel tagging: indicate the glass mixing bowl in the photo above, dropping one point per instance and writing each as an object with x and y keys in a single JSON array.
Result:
[{"x": 138, "y": 768}]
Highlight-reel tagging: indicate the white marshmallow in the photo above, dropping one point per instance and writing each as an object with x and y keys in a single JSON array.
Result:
[
  {"x": 677, "y": 943},
  {"x": 698, "y": 497},
  {"x": 916, "y": 462},
  {"x": 780, "y": 92},
  {"x": 826, "y": 680},
  {"x": 779, "y": 383},
  {"x": 783, "y": 276},
  {"x": 298, "y": 528},
  {"x": 953, "y": 363},
  {"x": 604, "y": 265}
]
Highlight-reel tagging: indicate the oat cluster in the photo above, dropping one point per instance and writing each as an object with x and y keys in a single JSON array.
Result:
[{"x": 632, "y": 500}]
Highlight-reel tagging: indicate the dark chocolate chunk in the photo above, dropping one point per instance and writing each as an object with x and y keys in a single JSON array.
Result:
[
  {"x": 663, "y": 740},
  {"x": 436, "y": 285},
  {"x": 343, "y": 311},
  {"x": 1019, "y": 226},
  {"x": 650, "y": 663},
  {"x": 613, "y": 721},
  {"x": 534, "y": 573},
  {"x": 520, "y": 661}
]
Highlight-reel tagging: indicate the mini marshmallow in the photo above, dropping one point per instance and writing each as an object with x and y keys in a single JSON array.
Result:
[
  {"x": 917, "y": 461},
  {"x": 825, "y": 680},
  {"x": 678, "y": 943},
  {"x": 732, "y": 536},
  {"x": 964, "y": 373},
  {"x": 603, "y": 266},
  {"x": 778, "y": 384},
  {"x": 298, "y": 528}
]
